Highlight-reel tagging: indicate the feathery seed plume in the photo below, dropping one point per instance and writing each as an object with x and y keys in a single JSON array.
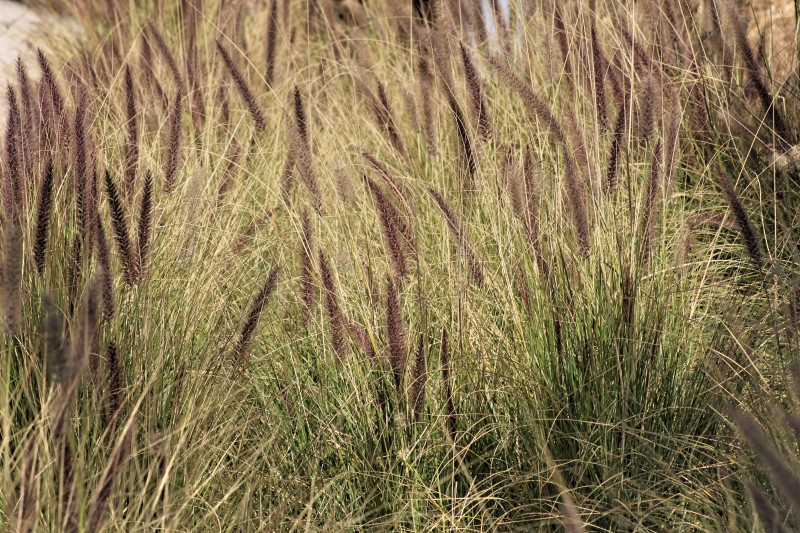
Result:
[
  {"x": 44, "y": 209},
  {"x": 272, "y": 35},
  {"x": 300, "y": 116},
  {"x": 599, "y": 63},
  {"x": 119, "y": 223},
  {"x": 132, "y": 140},
  {"x": 84, "y": 205},
  {"x": 385, "y": 116},
  {"x": 398, "y": 353},
  {"x": 473, "y": 262},
  {"x": 248, "y": 330},
  {"x": 334, "y": 312},
  {"x": 244, "y": 90},
  {"x": 764, "y": 94},
  {"x": 12, "y": 175},
  {"x": 174, "y": 149},
  {"x": 766, "y": 513},
  {"x": 104, "y": 260},
  {"x": 12, "y": 278},
  {"x": 780, "y": 472},
  {"x": 307, "y": 286},
  {"x": 115, "y": 386},
  {"x": 54, "y": 96},
  {"x": 301, "y": 156},
  {"x": 161, "y": 44},
  {"x": 480, "y": 108},
  {"x": 742, "y": 220},
  {"x": 389, "y": 225},
  {"x": 29, "y": 123},
  {"x": 540, "y": 109},
  {"x": 616, "y": 146},
  {"x": 145, "y": 218}
]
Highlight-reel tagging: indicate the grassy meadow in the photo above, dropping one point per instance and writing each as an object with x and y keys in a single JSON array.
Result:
[{"x": 281, "y": 265}]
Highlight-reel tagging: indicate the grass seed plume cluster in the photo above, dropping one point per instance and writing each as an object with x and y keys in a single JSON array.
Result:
[{"x": 336, "y": 265}]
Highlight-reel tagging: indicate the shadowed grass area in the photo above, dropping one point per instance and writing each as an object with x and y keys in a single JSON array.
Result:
[{"x": 344, "y": 266}]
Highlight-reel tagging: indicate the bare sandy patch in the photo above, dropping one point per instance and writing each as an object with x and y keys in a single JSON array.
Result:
[{"x": 18, "y": 25}]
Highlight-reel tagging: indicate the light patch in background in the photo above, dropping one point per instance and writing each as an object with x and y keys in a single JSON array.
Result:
[
  {"x": 488, "y": 14},
  {"x": 17, "y": 24}
]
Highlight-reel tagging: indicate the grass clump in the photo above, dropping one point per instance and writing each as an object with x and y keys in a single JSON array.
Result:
[{"x": 584, "y": 273}]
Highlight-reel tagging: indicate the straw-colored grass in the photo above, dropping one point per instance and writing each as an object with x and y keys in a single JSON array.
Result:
[{"x": 322, "y": 296}]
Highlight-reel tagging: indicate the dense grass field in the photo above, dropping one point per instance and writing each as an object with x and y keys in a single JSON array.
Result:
[{"x": 283, "y": 265}]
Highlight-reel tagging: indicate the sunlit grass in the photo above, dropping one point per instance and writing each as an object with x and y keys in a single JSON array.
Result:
[{"x": 587, "y": 382}]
